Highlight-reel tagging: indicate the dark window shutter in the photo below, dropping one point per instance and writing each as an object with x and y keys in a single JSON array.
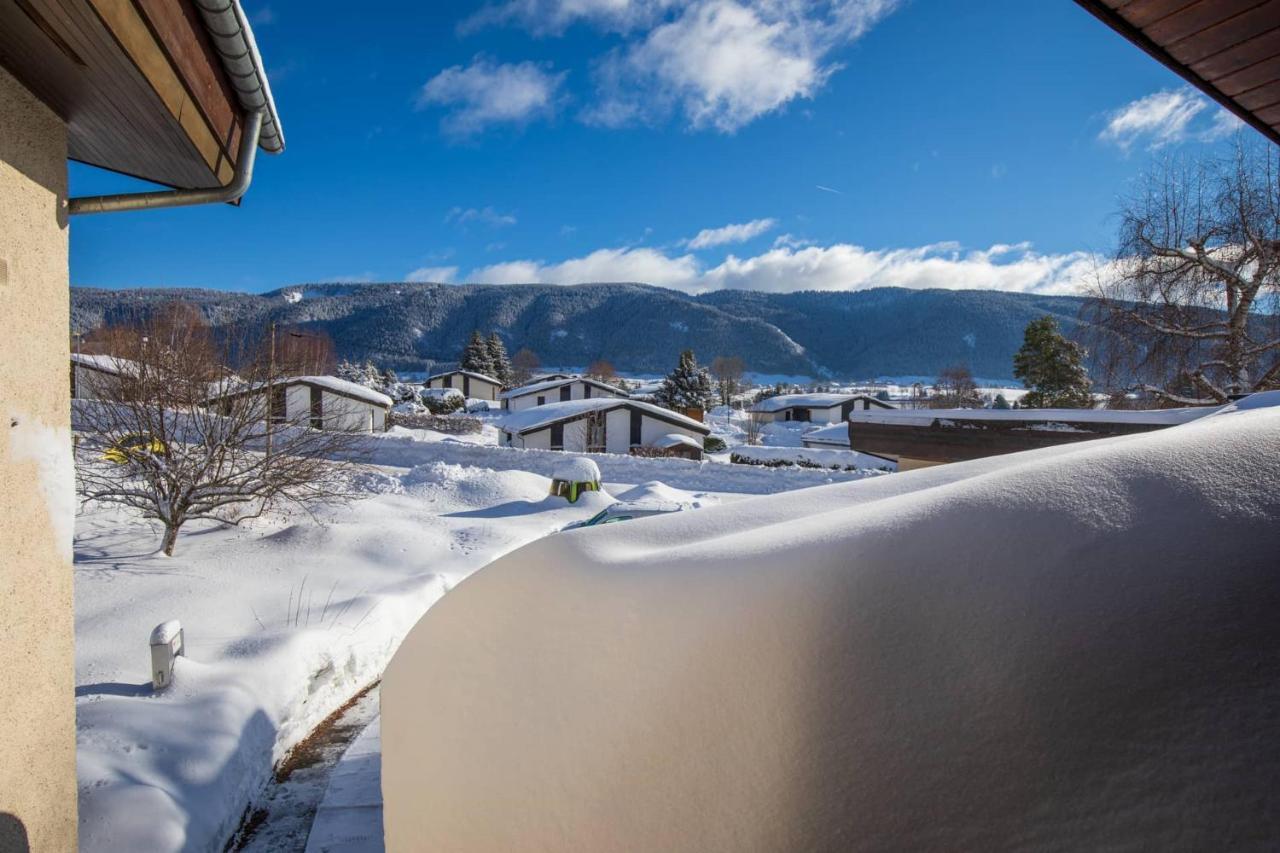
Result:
[
  {"x": 466, "y": 385},
  {"x": 586, "y": 391},
  {"x": 637, "y": 424},
  {"x": 564, "y": 392},
  {"x": 317, "y": 408},
  {"x": 557, "y": 436}
]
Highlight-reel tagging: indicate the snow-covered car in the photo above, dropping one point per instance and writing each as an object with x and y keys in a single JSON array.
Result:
[{"x": 627, "y": 510}]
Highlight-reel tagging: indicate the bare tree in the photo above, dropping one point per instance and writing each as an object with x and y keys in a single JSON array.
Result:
[
  {"x": 753, "y": 427},
  {"x": 523, "y": 365},
  {"x": 602, "y": 370},
  {"x": 727, "y": 372},
  {"x": 1187, "y": 311},
  {"x": 955, "y": 389},
  {"x": 302, "y": 352},
  {"x": 181, "y": 439}
]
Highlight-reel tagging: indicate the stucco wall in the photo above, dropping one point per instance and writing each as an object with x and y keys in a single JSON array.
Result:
[{"x": 37, "y": 678}]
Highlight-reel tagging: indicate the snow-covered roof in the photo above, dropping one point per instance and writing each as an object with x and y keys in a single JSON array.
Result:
[
  {"x": 551, "y": 384},
  {"x": 811, "y": 401},
  {"x": 925, "y": 417},
  {"x": 441, "y": 393},
  {"x": 675, "y": 439},
  {"x": 105, "y": 363},
  {"x": 576, "y": 469},
  {"x": 837, "y": 434},
  {"x": 481, "y": 376},
  {"x": 541, "y": 416},
  {"x": 330, "y": 383}
]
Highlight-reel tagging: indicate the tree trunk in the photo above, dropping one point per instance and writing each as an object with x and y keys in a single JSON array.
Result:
[{"x": 170, "y": 537}]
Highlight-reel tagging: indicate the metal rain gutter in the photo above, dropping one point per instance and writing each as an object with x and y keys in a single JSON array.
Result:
[
  {"x": 233, "y": 40},
  {"x": 249, "y": 140}
]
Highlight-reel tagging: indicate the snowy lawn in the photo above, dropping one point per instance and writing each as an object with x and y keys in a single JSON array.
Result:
[{"x": 285, "y": 620}]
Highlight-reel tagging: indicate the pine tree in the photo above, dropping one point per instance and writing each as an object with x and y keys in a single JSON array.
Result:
[
  {"x": 475, "y": 357},
  {"x": 688, "y": 386},
  {"x": 498, "y": 360},
  {"x": 1001, "y": 402},
  {"x": 1052, "y": 367}
]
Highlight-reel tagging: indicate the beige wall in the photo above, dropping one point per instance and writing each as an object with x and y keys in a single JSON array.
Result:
[{"x": 37, "y": 678}]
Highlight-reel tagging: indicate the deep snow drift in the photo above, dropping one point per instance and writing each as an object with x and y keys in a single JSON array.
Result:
[{"x": 1071, "y": 648}]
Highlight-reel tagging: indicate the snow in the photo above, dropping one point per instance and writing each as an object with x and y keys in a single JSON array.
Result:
[
  {"x": 105, "y": 363},
  {"x": 576, "y": 469},
  {"x": 1068, "y": 648},
  {"x": 835, "y": 434},
  {"x": 818, "y": 456},
  {"x": 439, "y": 393},
  {"x": 343, "y": 386},
  {"x": 817, "y": 401},
  {"x": 540, "y": 416},
  {"x": 284, "y": 620},
  {"x": 675, "y": 439},
  {"x": 350, "y": 816},
  {"x": 292, "y": 296},
  {"x": 471, "y": 373},
  {"x": 552, "y": 384},
  {"x": 166, "y": 632}
]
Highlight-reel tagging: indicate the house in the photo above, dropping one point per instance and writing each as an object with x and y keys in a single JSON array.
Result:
[
  {"x": 604, "y": 425},
  {"x": 815, "y": 408},
  {"x": 94, "y": 377},
  {"x": 921, "y": 437},
  {"x": 172, "y": 92},
  {"x": 557, "y": 391},
  {"x": 322, "y": 402},
  {"x": 472, "y": 385}
]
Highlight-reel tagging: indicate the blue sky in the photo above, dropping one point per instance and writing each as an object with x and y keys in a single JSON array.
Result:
[{"x": 697, "y": 144}]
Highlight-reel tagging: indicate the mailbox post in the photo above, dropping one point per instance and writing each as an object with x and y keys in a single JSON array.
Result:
[{"x": 166, "y": 644}]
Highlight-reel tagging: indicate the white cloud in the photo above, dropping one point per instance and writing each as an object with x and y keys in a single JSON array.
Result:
[
  {"x": 719, "y": 63},
  {"x": 639, "y": 265},
  {"x": 486, "y": 215},
  {"x": 553, "y": 17},
  {"x": 739, "y": 233},
  {"x": 828, "y": 189},
  {"x": 794, "y": 266},
  {"x": 442, "y": 275},
  {"x": 1166, "y": 118},
  {"x": 485, "y": 94}
]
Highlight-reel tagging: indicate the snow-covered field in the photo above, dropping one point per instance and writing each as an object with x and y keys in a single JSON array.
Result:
[{"x": 285, "y": 620}]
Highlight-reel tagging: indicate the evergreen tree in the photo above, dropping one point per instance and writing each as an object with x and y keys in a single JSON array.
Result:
[
  {"x": 688, "y": 386},
  {"x": 1051, "y": 366},
  {"x": 502, "y": 370},
  {"x": 1001, "y": 402},
  {"x": 366, "y": 374},
  {"x": 475, "y": 357}
]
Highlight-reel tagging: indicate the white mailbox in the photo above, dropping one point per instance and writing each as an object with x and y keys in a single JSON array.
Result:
[{"x": 166, "y": 644}]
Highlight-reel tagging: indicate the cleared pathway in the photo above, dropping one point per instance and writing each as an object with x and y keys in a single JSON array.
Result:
[{"x": 349, "y": 819}]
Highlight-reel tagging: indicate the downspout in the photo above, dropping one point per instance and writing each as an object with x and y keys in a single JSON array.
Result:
[{"x": 181, "y": 198}]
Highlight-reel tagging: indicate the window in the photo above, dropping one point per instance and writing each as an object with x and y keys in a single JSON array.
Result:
[
  {"x": 637, "y": 431},
  {"x": 541, "y": 400},
  {"x": 279, "y": 404},
  {"x": 557, "y": 435},
  {"x": 317, "y": 408},
  {"x": 564, "y": 393}
]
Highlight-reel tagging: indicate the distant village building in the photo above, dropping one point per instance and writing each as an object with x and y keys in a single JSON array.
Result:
[
  {"x": 96, "y": 377},
  {"x": 604, "y": 425},
  {"x": 322, "y": 402},
  {"x": 815, "y": 408},
  {"x": 558, "y": 391},
  {"x": 472, "y": 385}
]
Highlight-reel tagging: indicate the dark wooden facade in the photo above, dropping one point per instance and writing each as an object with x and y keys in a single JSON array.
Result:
[
  {"x": 951, "y": 441},
  {"x": 1229, "y": 49},
  {"x": 137, "y": 82}
]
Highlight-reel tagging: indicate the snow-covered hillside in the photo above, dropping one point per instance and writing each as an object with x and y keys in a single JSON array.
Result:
[{"x": 1071, "y": 648}]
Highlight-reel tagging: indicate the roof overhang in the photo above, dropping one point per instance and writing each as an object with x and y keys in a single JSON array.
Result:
[
  {"x": 156, "y": 89},
  {"x": 1229, "y": 49}
]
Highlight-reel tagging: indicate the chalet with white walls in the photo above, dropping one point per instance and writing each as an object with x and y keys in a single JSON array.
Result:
[
  {"x": 815, "y": 408},
  {"x": 323, "y": 402},
  {"x": 604, "y": 425},
  {"x": 472, "y": 385},
  {"x": 558, "y": 391},
  {"x": 94, "y": 377}
]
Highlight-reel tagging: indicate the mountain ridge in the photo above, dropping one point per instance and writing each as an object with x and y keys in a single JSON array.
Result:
[{"x": 885, "y": 331}]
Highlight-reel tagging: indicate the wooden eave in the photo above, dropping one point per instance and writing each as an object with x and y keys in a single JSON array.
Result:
[
  {"x": 1229, "y": 49},
  {"x": 136, "y": 81}
]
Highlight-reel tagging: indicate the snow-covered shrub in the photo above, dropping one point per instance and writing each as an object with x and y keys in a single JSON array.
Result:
[{"x": 712, "y": 444}]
